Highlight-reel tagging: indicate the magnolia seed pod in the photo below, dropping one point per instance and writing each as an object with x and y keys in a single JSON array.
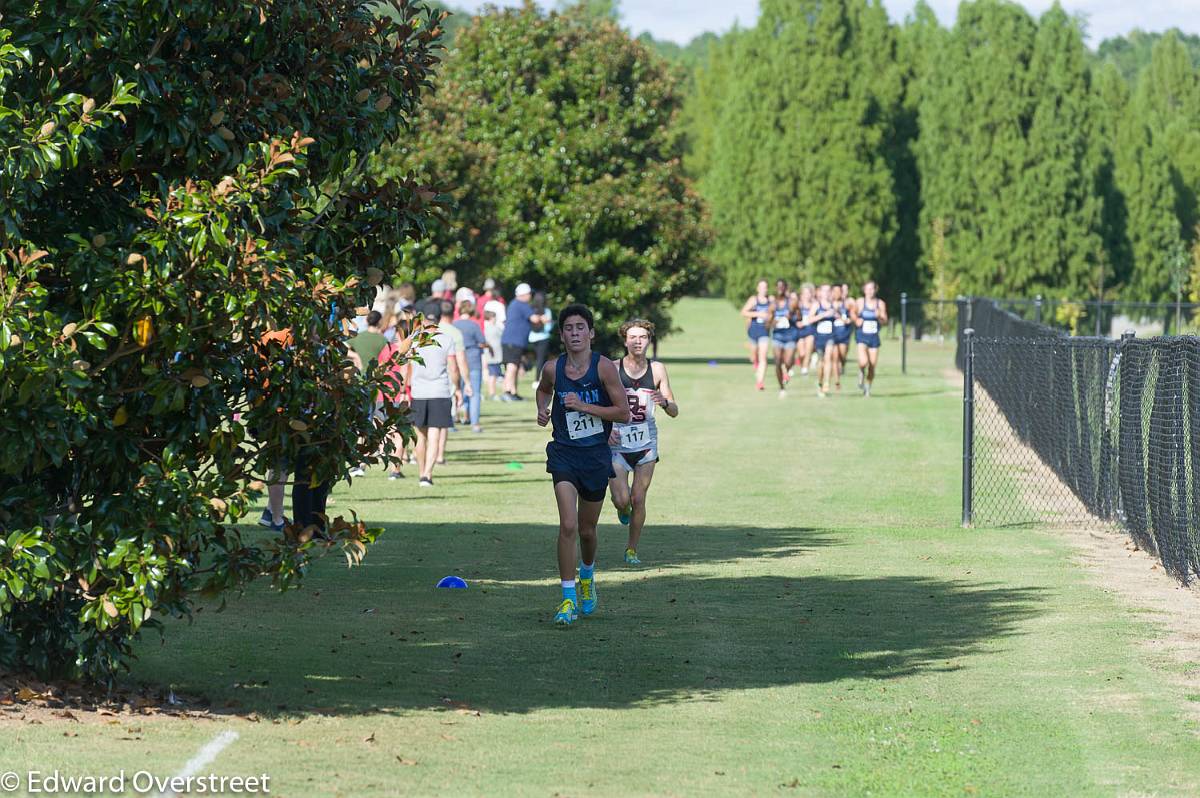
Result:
[
  {"x": 383, "y": 103},
  {"x": 217, "y": 118},
  {"x": 298, "y": 425},
  {"x": 199, "y": 381},
  {"x": 89, "y": 105},
  {"x": 47, "y": 129},
  {"x": 362, "y": 95},
  {"x": 69, "y": 330},
  {"x": 133, "y": 259},
  {"x": 225, "y": 133},
  {"x": 143, "y": 331}
]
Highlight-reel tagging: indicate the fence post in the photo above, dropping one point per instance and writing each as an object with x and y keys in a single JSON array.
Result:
[
  {"x": 1037, "y": 308},
  {"x": 1099, "y": 313},
  {"x": 968, "y": 466},
  {"x": 903, "y": 332}
]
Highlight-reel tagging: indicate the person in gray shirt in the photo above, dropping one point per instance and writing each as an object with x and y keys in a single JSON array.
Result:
[{"x": 432, "y": 406}]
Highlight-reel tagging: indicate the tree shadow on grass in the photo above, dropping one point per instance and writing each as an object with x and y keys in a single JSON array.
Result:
[{"x": 383, "y": 639}]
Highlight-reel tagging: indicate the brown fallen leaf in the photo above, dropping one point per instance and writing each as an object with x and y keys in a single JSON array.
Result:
[
  {"x": 405, "y": 762},
  {"x": 370, "y": 738}
]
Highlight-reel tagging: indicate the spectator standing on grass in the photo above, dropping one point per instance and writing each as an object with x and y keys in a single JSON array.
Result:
[
  {"x": 519, "y": 322},
  {"x": 493, "y": 332},
  {"x": 461, "y": 387},
  {"x": 489, "y": 295},
  {"x": 473, "y": 346},
  {"x": 432, "y": 401},
  {"x": 540, "y": 339},
  {"x": 367, "y": 345}
]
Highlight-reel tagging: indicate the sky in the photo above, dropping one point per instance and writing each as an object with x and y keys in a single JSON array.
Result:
[{"x": 681, "y": 20}]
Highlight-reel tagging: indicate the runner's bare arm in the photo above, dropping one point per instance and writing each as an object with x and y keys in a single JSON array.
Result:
[
  {"x": 610, "y": 381},
  {"x": 662, "y": 390},
  {"x": 748, "y": 311},
  {"x": 545, "y": 392},
  {"x": 879, "y": 303}
]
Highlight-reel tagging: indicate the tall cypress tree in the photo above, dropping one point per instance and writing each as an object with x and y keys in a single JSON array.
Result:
[
  {"x": 800, "y": 186},
  {"x": 1168, "y": 98},
  {"x": 1061, "y": 209},
  {"x": 976, "y": 107},
  {"x": 1141, "y": 223}
]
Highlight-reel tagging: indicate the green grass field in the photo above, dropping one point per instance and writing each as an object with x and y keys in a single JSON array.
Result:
[{"x": 810, "y": 621}]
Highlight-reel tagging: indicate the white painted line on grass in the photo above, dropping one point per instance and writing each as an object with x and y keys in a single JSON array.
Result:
[{"x": 205, "y": 756}]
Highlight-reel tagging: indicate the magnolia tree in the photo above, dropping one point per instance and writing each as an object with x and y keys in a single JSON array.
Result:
[{"x": 180, "y": 179}]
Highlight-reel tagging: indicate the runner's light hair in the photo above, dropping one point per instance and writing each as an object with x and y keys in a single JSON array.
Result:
[{"x": 624, "y": 329}]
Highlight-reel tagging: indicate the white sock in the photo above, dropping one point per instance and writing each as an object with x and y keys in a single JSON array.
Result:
[{"x": 568, "y": 583}]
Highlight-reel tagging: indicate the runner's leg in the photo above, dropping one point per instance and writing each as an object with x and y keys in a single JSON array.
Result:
[
  {"x": 567, "y": 498},
  {"x": 760, "y": 370},
  {"x": 618, "y": 487},
  {"x": 589, "y": 517},
  {"x": 642, "y": 476}
]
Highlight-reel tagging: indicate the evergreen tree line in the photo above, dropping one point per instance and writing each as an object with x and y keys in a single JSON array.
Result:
[{"x": 999, "y": 156}]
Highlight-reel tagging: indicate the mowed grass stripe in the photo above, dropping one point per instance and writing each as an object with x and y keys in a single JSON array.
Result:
[{"x": 810, "y": 621}]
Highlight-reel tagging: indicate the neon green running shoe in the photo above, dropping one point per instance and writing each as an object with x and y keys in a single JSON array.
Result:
[
  {"x": 588, "y": 597},
  {"x": 631, "y": 557},
  {"x": 567, "y": 613},
  {"x": 624, "y": 516}
]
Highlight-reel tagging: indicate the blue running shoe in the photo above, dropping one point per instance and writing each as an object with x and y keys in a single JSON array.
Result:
[
  {"x": 588, "y": 597},
  {"x": 624, "y": 515},
  {"x": 567, "y": 614},
  {"x": 631, "y": 557}
]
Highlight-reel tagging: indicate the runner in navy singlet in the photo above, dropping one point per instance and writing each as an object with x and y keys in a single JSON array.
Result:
[
  {"x": 872, "y": 315},
  {"x": 757, "y": 312},
  {"x": 581, "y": 395},
  {"x": 784, "y": 329}
]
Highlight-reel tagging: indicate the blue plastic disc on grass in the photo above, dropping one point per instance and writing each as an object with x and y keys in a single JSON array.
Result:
[
  {"x": 713, "y": 363},
  {"x": 452, "y": 582}
]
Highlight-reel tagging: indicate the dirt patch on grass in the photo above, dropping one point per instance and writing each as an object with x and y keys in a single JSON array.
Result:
[{"x": 1114, "y": 561}]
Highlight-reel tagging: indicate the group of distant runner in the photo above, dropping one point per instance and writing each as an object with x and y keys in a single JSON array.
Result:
[{"x": 812, "y": 328}]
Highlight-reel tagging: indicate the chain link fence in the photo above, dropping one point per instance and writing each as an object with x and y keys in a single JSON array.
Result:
[{"x": 1081, "y": 431}]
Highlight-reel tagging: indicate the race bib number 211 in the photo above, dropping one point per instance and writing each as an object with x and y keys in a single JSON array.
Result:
[{"x": 583, "y": 425}]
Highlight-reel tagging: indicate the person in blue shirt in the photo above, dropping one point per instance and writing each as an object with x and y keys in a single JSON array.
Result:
[
  {"x": 581, "y": 396},
  {"x": 521, "y": 320}
]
